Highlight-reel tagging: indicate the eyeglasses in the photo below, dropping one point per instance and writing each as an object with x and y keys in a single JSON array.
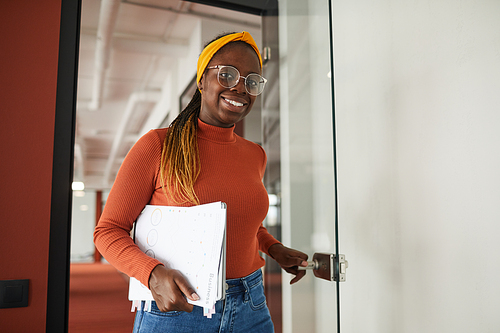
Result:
[{"x": 228, "y": 77}]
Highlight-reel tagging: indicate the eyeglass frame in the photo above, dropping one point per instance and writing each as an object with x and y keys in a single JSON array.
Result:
[{"x": 219, "y": 67}]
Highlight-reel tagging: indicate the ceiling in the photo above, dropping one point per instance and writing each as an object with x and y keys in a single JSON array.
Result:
[{"x": 123, "y": 73}]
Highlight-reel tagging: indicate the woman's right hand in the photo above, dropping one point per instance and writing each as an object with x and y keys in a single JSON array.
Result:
[{"x": 168, "y": 287}]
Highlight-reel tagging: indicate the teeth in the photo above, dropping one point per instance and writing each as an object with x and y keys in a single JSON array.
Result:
[{"x": 234, "y": 102}]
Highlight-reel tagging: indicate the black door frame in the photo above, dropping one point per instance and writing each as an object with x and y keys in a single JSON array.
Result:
[
  {"x": 62, "y": 168},
  {"x": 63, "y": 155}
]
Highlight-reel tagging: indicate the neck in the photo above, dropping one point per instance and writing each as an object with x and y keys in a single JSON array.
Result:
[{"x": 215, "y": 133}]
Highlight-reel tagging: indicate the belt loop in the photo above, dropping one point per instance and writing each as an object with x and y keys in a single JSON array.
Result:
[{"x": 247, "y": 289}]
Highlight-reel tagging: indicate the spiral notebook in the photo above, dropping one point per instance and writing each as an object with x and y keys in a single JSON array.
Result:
[{"x": 189, "y": 239}]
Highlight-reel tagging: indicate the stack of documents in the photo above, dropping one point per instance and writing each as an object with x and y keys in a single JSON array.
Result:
[{"x": 190, "y": 240}]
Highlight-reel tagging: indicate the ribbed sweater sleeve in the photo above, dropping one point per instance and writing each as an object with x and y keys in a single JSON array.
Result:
[{"x": 132, "y": 190}]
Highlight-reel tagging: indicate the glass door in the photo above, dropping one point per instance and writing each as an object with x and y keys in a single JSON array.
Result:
[
  {"x": 416, "y": 117},
  {"x": 298, "y": 137}
]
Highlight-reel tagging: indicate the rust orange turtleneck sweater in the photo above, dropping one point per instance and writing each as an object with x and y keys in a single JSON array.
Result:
[{"x": 232, "y": 169}]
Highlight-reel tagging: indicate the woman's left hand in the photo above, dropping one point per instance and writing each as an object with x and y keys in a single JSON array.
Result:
[{"x": 289, "y": 260}]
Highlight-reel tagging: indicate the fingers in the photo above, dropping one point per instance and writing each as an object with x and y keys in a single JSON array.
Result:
[
  {"x": 168, "y": 288},
  {"x": 297, "y": 277},
  {"x": 289, "y": 260},
  {"x": 301, "y": 255},
  {"x": 300, "y": 262},
  {"x": 299, "y": 274},
  {"x": 173, "y": 301},
  {"x": 186, "y": 288},
  {"x": 294, "y": 258}
]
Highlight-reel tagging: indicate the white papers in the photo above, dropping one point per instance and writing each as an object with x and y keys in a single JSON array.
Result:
[{"x": 188, "y": 239}]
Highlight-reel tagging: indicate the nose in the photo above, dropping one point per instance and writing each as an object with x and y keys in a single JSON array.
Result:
[{"x": 240, "y": 86}]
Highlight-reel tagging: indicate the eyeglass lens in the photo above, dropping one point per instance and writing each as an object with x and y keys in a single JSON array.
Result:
[{"x": 229, "y": 76}]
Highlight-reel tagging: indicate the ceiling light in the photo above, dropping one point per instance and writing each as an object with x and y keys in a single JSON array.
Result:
[{"x": 78, "y": 186}]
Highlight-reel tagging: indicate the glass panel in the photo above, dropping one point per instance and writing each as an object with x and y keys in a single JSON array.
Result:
[
  {"x": 305, "y": 183},
  {"x": 272, "y": 178}
]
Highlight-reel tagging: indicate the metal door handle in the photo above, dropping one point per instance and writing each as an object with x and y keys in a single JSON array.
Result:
[{"x": 328, "y": 266}]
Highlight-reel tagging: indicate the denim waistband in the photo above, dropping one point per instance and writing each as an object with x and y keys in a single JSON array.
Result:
[{"x": 243, "y": 284}]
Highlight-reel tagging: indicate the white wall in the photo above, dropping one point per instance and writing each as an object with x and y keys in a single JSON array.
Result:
[{"x": 417, "y": 104}]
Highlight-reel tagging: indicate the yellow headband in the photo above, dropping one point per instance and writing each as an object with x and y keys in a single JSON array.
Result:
[{"x": 209, "y": 51}]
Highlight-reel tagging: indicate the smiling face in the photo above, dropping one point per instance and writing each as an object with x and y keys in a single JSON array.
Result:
[{"x": 223, "y": 107}]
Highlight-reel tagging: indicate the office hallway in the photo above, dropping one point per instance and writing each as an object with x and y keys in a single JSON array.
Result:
[{"x": 98, "y": 300}]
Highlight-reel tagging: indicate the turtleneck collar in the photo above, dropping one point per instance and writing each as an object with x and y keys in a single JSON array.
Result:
[{"x": 216, "y": 134}]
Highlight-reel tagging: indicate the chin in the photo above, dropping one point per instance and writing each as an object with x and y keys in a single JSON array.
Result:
[{"x": 229, "y": 121}]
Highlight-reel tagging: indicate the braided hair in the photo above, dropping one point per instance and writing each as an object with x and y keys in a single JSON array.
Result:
[{"x": 180, "y": 158}]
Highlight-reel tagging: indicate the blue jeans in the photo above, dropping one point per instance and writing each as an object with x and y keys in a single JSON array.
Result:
[{"x": 243, "y": 310}]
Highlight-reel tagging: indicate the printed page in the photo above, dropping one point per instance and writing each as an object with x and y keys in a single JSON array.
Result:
[{"x": 188, "y": 239}]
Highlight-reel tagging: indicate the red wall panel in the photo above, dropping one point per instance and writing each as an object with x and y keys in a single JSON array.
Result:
[{"x": 29, "y": 43}]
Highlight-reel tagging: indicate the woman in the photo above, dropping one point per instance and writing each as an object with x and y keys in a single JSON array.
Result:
[{"x": 199, "y": 159}]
